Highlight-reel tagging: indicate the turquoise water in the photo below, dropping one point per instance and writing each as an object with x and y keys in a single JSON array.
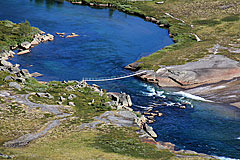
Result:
[{"x": 108, "y": 41}]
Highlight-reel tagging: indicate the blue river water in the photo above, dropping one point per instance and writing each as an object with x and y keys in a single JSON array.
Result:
[{"x": 108, "y": 41}]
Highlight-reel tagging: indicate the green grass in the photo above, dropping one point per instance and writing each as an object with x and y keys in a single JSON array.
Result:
[
  {"x": 231, "y": 18},
  {"x": 84, "y": 109},
  {"x": 211, "y": 23},
  {"x": 125, "y": 141},
  {"x": 208, "y": 22},
  {"x": 12, "y": 34}
]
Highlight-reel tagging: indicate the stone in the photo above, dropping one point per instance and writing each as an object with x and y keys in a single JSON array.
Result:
[
  {"x": 160, "y": 2},
  {"x": 13, "y": 47},
  {"x": 71, "y": 96},
  {"x": 25, "y": 73},
  {"x": 3, "y": 54},
  {"x": 146, "y": 113},
  {"x": 9, "y": 78},
  {"x": 129, "y": 101},
  {"x": 71, "y": 104},
  {"x": 35, "y": 42},
  {"x": 128, "y": 108},
  {"x": 14, "y": 70},
  {"x": 21, "y": 80},
  {"x": 59, "y": 103},
  {"x": 151, "y": 121},
  {"x": 23, "y": 52},
  {"x": 150, "y": 117},
  {"x": 36, "y": 74},
  {"x": 15, "y": 85},
  {"x": 16, "y": 65},
  {"x": 61, "y": 98},
  {"x": 47, "y": 37},
  {"x": 124, "y": 99},
  {"x": 140, "y": 121},
  {"x": 149, "y": 130},
  {"x": 69, "y": 88},
  {"x": 133, "y": 66},
  {"x": 45, "y": 95},
  {"x": 182, "y": 107},
  {"x": 103, "y": 5},
  {"x": 5, "y": 63},
  {"x": 153, "y": 114},
  {"x": 25, "y": 45},
  {"x": 11, "y": 53}
]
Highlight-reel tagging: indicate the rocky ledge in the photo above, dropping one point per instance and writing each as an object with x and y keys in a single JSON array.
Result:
[
  {"x": 25, "y": 47},
  {"x": 214, "y": 77}
]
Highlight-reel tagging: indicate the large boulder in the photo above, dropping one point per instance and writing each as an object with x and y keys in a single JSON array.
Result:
[
  {"x": 120, "y": 99},
  {"x": 45, "y": 95},
  {"x": 25, "y": 45},
  {"x": 149, "y": 130},
  {"x": 5, "y": 63}
]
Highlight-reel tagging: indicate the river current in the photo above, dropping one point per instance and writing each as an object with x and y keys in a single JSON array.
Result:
[{"x": 108, "y": 41}]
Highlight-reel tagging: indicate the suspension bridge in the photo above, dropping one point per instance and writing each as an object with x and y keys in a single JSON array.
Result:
[{"x": 113, "y": 77}]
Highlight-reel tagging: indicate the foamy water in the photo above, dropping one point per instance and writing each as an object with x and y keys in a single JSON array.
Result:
[{"x": 191, "y": 96}]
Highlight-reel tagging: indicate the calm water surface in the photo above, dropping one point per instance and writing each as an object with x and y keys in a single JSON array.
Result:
[{"x": 108, "y": 41}]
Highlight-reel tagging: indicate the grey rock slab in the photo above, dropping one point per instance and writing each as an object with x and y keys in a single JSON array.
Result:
[
  {"x": 91, "y": 125},
  {"x": 15, "y": 85},
  {"x": 25, "y": 139},
  {"x": 127, "y": 114},
  {"x": 212, "y": 61}
]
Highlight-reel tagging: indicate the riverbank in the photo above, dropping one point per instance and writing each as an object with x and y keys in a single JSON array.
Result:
[
  {"x": 203, "y": 32},
  {"x": 56, "y": 114},
  {"x": 55, "y": 111}
]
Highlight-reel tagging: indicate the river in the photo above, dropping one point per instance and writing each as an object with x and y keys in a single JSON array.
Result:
[{"x": 108, "y": 41}]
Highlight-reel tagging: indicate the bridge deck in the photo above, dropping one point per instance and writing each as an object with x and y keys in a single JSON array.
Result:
[{"x": 113, "y": 78}]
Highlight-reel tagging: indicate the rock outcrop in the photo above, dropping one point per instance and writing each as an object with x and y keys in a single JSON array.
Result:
[
  {"x": 120, "y": 99},
  {"x": 211, "y": 69}
]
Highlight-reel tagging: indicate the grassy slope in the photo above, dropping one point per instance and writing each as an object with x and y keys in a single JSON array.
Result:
[
  {"x": 212, "y": 24},
  {"x": 67, "y": 141}
]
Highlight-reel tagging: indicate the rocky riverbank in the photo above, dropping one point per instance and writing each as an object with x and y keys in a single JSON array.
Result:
[
  {"x": 53, "y": 104},
  {"x": 215, "y": 78},
  {"x": 208, "y": 67}
]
